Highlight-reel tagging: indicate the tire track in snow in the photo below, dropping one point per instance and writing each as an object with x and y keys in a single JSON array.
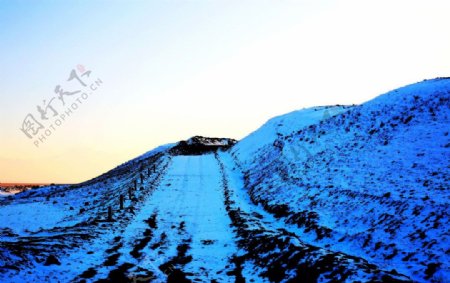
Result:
[
  {"x": 192, "y": 240},
  {"x": 201, "y": 209}
]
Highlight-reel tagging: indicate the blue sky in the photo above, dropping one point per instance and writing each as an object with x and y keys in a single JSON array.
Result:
[{"x": 173, "y": 69}]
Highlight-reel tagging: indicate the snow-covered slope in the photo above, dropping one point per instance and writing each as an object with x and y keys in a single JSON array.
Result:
[
  {"x": 47, "y": 234},
  {"x": 372, "y": 182},
  {"x": 282, "y": 125},
  {"x": 326, "y": 194}
]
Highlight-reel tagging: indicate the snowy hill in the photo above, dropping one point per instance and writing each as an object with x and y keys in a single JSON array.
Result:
[
  {"x": 326, "y": 194},
  {"x": 371, "y": 182}
]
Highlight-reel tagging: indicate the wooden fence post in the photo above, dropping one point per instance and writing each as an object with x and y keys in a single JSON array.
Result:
[{"x": 110, "y": 214}]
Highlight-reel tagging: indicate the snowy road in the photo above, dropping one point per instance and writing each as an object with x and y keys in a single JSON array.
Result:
[
  {"x": 183, "y": 231},
  {"x": 190, "y": 197}
]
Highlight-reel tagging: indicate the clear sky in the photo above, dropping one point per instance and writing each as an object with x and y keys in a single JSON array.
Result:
[{"x": 174, "y": 69}]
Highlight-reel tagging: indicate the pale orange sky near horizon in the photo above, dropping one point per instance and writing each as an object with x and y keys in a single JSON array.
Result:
[{"x": 174, "y": 69}]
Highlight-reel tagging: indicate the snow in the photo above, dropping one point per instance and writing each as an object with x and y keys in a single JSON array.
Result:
[
  {"x": 375, "y": 177},
  {"x": 5, "y": 194},
  {"x": 195, "y": 197},
  {"x": 30, "y": 217},
  {"x": 280, "y": 126},
  {"x": 343, "y": 193}
]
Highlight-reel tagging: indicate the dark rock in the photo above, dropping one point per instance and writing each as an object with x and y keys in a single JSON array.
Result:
[{"x": 52, "y": 260}]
